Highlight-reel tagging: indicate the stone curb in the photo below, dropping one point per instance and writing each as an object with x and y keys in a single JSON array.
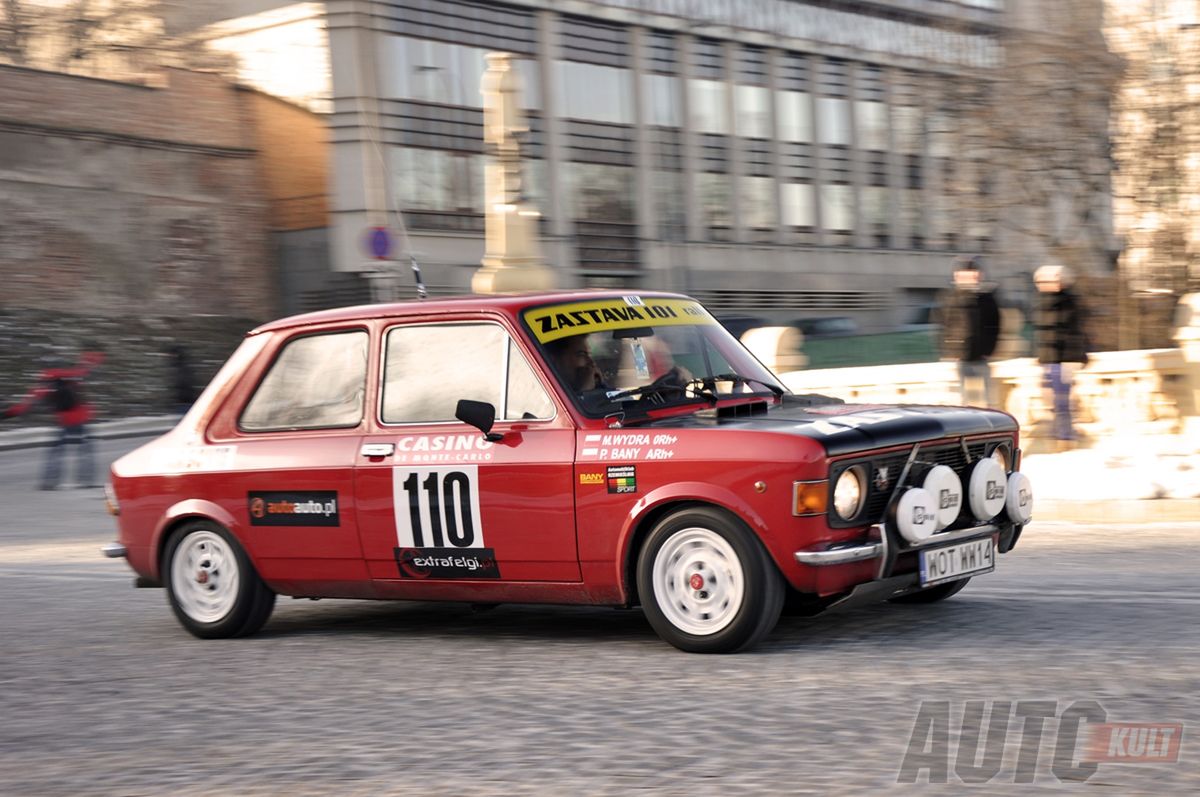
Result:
[{"x": 39, "y": 436}]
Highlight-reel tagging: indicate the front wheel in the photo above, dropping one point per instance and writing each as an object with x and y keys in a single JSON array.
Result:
[
  {"x": 706, "y": 583},
  {"x": 211, "y": 584},
  {"x": 932, "y": 594}
]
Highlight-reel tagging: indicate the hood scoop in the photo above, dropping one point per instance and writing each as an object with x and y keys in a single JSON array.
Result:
[{"x": 747, "y": 409}]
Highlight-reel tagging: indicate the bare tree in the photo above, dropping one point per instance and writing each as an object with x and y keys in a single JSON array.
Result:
[
  {"x": 1035, "y": 140},
  {"x": 121, "y": 39},
  {"x": 1156, "y": 137}
]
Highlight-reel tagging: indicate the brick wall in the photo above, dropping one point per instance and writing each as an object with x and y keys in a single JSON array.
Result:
[{"x": 130, "y": 218}]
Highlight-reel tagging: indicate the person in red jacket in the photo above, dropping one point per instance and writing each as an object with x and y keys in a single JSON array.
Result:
[{"x": 61, "y": 389}]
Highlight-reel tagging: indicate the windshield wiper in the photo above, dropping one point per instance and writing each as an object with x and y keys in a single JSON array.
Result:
[{"x": 738, "y": 379}]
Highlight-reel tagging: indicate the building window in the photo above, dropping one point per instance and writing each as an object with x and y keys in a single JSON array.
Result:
[
  {"x": 713, "y": 192},
  {"x": 833, "y": 121},
  {"x": 708, "y": 107},
  {"x": 669, "y": 210},
  {"x": 837, "y": 208},
  {"x": 943, "y": 133},
  {"x": 594, "y": 93},
  {"x": 910, "y": 217},
  {"x": 661, "y": 98},
  {"x": 752, "y": 111},
  {"x": 875, "y": 214},
  {"x": 799, "y": 206},
  {"x": 906, "y": 127},
  {"x": 757, "y": 202},
  {"x": 599, "y": 192},
  {"x": 794, "y": 110},
  {"x": 871, "y": 125},
  {"x": 436, "y": 180},
  {"x": 446, "y": 74}
]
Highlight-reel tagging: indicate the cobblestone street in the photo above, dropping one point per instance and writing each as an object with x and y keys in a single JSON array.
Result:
[{"x": 104, "y": 693}]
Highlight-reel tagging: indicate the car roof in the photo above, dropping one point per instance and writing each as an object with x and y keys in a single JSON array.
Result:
[{"x": 509, "y": 303}]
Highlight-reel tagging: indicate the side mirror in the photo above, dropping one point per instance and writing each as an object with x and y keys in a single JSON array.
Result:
[{"x": 479, "y": 414}]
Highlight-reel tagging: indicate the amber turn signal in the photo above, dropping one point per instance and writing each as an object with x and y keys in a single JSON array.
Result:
[{"x": 810, "y": 498}]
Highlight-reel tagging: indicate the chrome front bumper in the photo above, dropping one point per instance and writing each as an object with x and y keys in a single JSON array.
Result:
[
  {"x": 846, "y": 552},
  {"x": 114, "y": 550}
]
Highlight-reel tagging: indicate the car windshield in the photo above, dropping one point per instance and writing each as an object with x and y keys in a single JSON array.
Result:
[{"x": 636, "y": 354}]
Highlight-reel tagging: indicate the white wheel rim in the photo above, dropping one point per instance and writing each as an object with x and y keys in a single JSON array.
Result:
[
  {"x": 698, "y": 581},
  {"x": 205, "y": 576}
]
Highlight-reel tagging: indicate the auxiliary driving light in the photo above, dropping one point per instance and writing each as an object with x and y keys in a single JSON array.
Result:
[
  {"x": 1019, "y": 503},
  {"x": 946, "y": 488},
  {"x": 916, "y": 514},
  {"x": 987, "y": 488}
]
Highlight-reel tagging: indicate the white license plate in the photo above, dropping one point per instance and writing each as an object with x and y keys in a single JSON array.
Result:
[{"x": 952, "y": 562}]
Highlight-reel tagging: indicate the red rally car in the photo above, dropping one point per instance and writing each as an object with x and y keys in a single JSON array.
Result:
[{"x": 587, "y": 448}]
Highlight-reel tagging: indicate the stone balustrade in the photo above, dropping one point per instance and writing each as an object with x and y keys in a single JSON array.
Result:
[{"x": 1148, "y": 391}]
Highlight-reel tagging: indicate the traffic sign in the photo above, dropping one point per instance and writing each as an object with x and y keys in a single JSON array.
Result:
[{"x": 379, "y": 243}]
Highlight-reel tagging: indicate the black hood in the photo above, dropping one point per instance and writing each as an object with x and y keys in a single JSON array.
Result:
[{"x": 849, "y": 428}]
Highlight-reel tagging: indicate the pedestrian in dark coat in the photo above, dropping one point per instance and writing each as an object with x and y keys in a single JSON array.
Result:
[
  {"x": 970, "y": 329},
  {"x": 183, "y": 380},
  {"x": 1061, "y": 342},
  {"x": 61, "y": 390}
]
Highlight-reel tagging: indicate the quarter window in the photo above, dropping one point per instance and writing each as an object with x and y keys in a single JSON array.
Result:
[
  {"x": 316, "y": 382},
  {"x": 428, "y": 368}
]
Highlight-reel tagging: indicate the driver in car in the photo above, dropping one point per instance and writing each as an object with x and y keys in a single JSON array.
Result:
[{"x": 574, "y": 361}]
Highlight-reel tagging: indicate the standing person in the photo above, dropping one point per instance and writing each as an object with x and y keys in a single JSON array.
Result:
[
  {"x": 970, "y": 328},
  {"x": 183, "y": 380},
  {"x": 61, "y": 389},
  {"x": 1061, "y": 344}
]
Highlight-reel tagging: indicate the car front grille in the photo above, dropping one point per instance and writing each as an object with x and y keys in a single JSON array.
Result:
[{"x": 879, "y": 490}]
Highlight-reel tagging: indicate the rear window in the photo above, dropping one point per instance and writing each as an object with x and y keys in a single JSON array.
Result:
[{"x": 316, "y": 382}]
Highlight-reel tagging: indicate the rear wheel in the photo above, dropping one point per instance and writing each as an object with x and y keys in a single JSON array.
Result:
[
  {"x": 706, "y": 583},
  {"x": 932, "y": 594},
  {"x": 211, "y": 585}
]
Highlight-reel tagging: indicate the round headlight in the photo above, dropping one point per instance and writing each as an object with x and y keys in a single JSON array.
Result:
[
  {"x": 1000, "y": 454},
  {"x": 847, "y": 494}
]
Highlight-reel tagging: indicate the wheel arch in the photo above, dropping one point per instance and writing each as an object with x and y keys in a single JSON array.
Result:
[
  {"x": 664, "y": 501},
  {"x": 185, "y": 512}
]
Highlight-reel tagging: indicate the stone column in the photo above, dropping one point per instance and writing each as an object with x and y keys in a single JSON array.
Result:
[{"x": 512, "y": 259}]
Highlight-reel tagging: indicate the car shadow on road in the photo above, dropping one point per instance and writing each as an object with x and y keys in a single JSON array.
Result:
[
  {"x": 441, "y": 620},
  {"x": 985, "y": 621}
]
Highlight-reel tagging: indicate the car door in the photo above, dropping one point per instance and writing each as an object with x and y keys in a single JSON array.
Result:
[
  {"x": 440, "y": 503},
  {"x": 288, "y": 437}
]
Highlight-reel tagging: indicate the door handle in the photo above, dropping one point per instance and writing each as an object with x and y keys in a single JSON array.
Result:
[{"x": 378, "y": 449}]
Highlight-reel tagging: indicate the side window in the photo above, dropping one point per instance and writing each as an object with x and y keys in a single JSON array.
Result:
[
  {"x": 316, "y": 382},
  {"x": 427, "y": 369}
]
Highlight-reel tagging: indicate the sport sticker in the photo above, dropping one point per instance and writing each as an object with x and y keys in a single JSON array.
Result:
[
  {"x": 309, "y": 508},
  {"x": 621, "y": 478},
  {"x": 579, "y": 318},
  {"x": 439, "y": 533}
]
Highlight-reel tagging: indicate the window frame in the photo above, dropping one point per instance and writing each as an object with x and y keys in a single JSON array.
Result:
[
  {"x": 265, "y": 373},
  {"x": 513, "y": 341}
]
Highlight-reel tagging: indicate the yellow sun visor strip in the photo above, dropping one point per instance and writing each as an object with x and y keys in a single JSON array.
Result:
[{"x": 628, "y": 312}]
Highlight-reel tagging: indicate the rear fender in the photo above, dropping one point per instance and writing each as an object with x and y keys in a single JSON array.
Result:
[{"x": 186, "y": 510}]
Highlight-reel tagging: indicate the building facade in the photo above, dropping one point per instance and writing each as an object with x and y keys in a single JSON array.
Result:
[{"x": 776, "y": 158}]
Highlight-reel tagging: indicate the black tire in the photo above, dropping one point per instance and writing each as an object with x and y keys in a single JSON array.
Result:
[
  {"x": 217, "y": 610},
  {"x": 932, "y": 594},
  {"x": 691, "y": 537}
]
